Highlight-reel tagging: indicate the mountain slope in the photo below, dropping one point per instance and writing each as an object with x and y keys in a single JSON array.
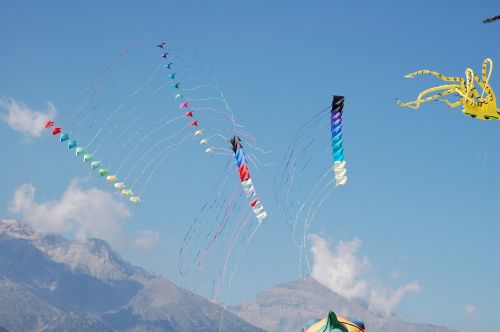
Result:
[
  {"x": 287, "y": 307},
  {"x": 48, "y": 283},
  {"x": 21, "y": 310},
  {"x": 56, "y": 283},
  {"x": 162, "y": 304}
]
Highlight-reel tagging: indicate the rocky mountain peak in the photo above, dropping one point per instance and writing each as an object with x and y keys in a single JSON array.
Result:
[
  {"x": 16, "y": 229},
  {"x": 93, "y": 256},
  {"x": 288, "y": 306},
  {"x": 48, "y": 283}
]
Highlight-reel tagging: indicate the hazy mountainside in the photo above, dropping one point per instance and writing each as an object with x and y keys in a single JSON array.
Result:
[
  {"x": 48, "y": 283},
  {"x": 287, "y": 307},
  {"x": 21, "y": 310},
  {"x": 93, "y": 257}
]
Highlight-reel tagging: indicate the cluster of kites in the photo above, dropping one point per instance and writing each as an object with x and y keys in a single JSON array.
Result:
[
  {"x": 146, "y": 105},
  {"x": 104, "y": 121},
  {"x": 125, "y": 130},
  {"x": 94, "y": 164}
]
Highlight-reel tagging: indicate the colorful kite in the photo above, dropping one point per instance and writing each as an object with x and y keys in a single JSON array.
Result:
[
  {"x": 480, "y": 106},
  {"x": 88, "y": 157},
  {"x": 338, "y": 141},
  {"x": 303, "y": 180},
  {"x": 334, "y": 323},
  {"x": 246, "y": 180},
  {"x": 124, "y": 134}
]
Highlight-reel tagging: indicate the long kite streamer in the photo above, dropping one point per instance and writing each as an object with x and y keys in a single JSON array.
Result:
[
  {"x": 246, "y": 180},
  {"x": 338, "y": 141}
]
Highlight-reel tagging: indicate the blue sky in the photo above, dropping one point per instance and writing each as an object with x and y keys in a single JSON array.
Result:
[{"x": 423, "y": 186}]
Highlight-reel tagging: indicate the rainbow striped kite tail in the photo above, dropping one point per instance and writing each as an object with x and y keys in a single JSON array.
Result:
[{"x": 339, "y": 164}]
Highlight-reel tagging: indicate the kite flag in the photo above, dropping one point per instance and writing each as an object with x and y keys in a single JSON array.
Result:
[
  {"x": 63, "y": 137},
  {"x": 338, "y": 141},
  {"x": 87, "y": 157},
  {"x": 111, "y": 179},
  {"x": 72, "y": 144},
  {"x": 135, "y": 200},
  {"x": 246, "y": 180},
  {"x": 95, "y": 164},
  {"x": 79, "y": 151}
]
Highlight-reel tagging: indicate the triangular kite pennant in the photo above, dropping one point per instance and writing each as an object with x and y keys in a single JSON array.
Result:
[
  {"x": 72, "y": 144},
  {"x": 63, "y": 137}
]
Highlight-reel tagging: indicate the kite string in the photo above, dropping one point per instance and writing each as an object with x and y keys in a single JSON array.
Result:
[
  {"x": 283, "y": 165},
  {"x": 235, "y": 235},
  {"x": 221, "y": 183},
  {"x": 139, "y": 89},
  {"x": 236, "y": 266},
  {"x": 145, "y": 138},
  {"x": 124, "y": 130},
  {"x": 152, "y": 148},
  {"x": 118, "y": 58},
  {"x": 309, "y": 220},
  {"x": 154, "y": 170},
  {"x": 206, "y": 209}
]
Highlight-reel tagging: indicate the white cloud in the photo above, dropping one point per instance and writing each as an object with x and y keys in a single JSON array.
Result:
[
  {"x": 384, "y": 300},
  {"x": 30, "y": 123},
  {"x": 146, "y": 239},
  {"x": 82, "y": 213},
  {"x": 470, "y": 310},
  {"x": 342, "y": 271}
]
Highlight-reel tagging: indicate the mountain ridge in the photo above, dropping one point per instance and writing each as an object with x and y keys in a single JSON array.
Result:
[
  {"x": 49, "y": 283},
  {"x": 306, "y": 298}
]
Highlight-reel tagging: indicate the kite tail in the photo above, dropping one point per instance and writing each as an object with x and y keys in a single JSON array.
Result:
[{"x": 339, "y": 167}]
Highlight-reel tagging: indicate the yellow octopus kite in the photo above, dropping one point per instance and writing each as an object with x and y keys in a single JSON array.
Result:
[{"x": 475, "y": 105}]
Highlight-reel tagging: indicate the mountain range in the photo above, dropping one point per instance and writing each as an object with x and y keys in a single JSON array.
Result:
[
  {"x": 286, "y": 307},
  {"x": 49, "y": 283}
]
